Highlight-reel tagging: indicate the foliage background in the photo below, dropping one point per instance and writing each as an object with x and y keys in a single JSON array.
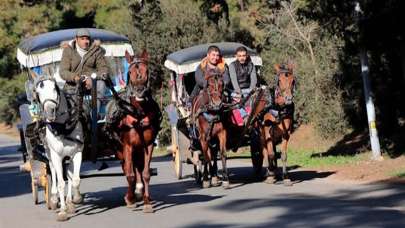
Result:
[{"x": 321, "y": 38}]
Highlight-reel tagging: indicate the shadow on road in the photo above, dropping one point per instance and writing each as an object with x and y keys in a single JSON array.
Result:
[
  {"x": 374, "y": 205},
  {"x": 240, "y": 176},
  {"x": 12, "y": 181},
  {"x": 164, "y": 196}
]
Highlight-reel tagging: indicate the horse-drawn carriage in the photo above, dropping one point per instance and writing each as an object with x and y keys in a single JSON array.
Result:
[
  {"x": 41, "y": 55},
  {"x": 182, "y": 65}
]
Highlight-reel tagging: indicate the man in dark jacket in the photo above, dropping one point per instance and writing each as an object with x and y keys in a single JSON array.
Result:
[
  {"x": 242, "y": 73},
  {"x": 213, "y": 63},
  {"x": 80, "y": 58}
]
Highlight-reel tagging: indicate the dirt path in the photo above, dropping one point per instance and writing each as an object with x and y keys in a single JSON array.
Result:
[{"x": 10, "y": 131}]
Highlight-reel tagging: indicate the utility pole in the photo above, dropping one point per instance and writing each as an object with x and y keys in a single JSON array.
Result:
[{"x": 375, "y": 143}]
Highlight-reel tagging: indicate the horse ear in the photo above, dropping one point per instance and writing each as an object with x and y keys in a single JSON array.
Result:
[
  {"x": 128, "y": 57},
  {"x": 277, "y": 67},
  {"x": 290, "y": 67},
  {"x": 145, "y": 55}
]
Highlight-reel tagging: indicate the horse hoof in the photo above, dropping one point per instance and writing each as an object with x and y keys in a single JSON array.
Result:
[
  {"x": 70, "y": 208},
  {"x": 130, "y": 203},
  {"x": 206, "y": 184},
  {"x": 225, "y": 184},
  {"x": 215, "y": 182},
  {"x": 287, "y": 182},
  {"x": 147, "y": 208},
  {"x": 62, "y": 216},
  {"x": 270, "y": 180},
  {"x": 54, "y": 202},
  {"x": 77, "y": 199}
]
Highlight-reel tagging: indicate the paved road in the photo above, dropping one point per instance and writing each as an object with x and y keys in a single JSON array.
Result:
[{"x": 313, "y": 201}]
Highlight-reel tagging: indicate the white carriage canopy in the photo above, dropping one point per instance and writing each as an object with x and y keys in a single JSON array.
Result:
[
  {"x": 45, "y": 48},
  {"x": 43, "y": 53},
  {"x": 186, "y": 60}
]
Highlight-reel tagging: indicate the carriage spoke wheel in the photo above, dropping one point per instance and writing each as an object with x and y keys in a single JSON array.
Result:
[
  {"x": 34, "y": 188},
  {"x": 257, "y": 161},
  {"x": 197, "y": 168},
  {"x": 47, "y": 189},
  {"x": 178, "y": 165}
]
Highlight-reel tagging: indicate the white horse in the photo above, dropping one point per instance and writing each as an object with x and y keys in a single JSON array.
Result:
[{"x": 60, "y": 146}]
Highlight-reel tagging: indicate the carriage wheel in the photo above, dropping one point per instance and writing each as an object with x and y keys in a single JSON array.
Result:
[
  {"x": 180, "y": 147},
  {"x": 257, "y": 157},
  {"x": 47, "y": 191},
  {"x": 178, "y": 164},
  {"x": 197, "y": 167},
  {"x": 34, "y": 188}
]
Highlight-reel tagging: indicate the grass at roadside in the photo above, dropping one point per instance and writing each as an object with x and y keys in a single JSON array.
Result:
[
  {"x": 306, "y": 159},
  {"x": 398, "y": 173},
  {"x": 160, "y": 151}
]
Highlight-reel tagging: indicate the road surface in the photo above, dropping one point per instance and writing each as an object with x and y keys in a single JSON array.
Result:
[{"x": 313, "y": 201}]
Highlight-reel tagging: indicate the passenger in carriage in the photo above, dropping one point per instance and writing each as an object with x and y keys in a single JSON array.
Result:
[
  {"x": 244, "y": 79},
  {"x": 80, "y": 58},
  {"x": 242, "y": 73}
]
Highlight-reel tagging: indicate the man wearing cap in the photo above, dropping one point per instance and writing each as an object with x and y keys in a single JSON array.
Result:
[{"x": 80, "y": 58}]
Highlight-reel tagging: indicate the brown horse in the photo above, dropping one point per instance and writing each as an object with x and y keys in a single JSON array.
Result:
[
  {"x": 207, "y": 111},
  {"x": 259, "y": 100},
  {"x": 137, "y": 131},
  {"x": 277, "y": 124}
]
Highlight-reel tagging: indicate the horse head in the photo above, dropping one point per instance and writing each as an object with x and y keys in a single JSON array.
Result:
[
  {"x": 47, "y": 94},
  {"x": 138, "y": 74},
  {"x": 284, "y": 92},
  {"x": 215, "y": 88}
]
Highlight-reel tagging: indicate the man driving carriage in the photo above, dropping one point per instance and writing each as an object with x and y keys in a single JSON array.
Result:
[
  {"x": 80, "y": 58},
  {"x": 212, "y": 64}
]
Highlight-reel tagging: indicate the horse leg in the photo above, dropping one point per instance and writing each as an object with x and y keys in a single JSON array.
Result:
[
  {"x": 147, "y": 206},
  {"x": 77, "y": 162},
  {"x": 214, "y": 169},
  {"x": 54, "y": 189},
  {"x": 70, "y": 206},
  {"x": 204, "y": 148},
  {"x": 129, "y": 173},
  {"x": 270, "y": 175},
  {"x": 286, "y": 180},
  {"x": 139, "y": 184},
  {"x": 57, "y": 162},
  {"x": 222, "y": 146}
]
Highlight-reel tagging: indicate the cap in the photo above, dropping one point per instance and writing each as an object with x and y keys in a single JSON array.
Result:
[{"x": 82, "y": 32}]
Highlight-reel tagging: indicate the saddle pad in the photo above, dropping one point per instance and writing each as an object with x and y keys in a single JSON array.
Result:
[{"x": 238, "y": 115}]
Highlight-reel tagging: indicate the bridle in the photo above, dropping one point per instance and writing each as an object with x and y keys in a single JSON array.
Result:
[
  {"x": 141, "y": 88},
  {"x": 39, "y": 82},
  {"x": 279, "y": 92},
  {"x": 216, "y": 91}
]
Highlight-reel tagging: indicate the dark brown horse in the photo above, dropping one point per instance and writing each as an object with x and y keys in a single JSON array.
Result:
[
  {"x": 276, "y": 126},
  {"x": 137, "y": 131},
  {"x": 207, "y": 112}
]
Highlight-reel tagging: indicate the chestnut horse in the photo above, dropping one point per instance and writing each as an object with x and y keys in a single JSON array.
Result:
[
  {"x": 277, "y": 124},
  {"x": 137, "y": 131},
  {"x": 207, "y": 111}
]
